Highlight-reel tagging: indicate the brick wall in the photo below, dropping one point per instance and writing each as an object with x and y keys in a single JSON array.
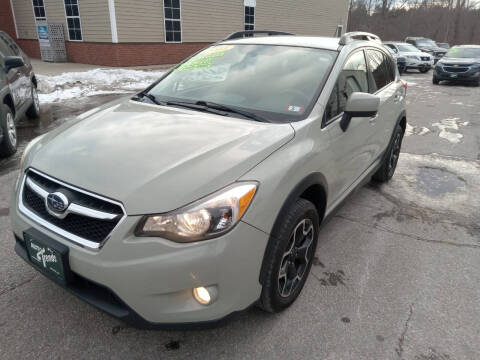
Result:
[
  {"x": 130, "y": 54},
  {"x": 6, "y": 19}
]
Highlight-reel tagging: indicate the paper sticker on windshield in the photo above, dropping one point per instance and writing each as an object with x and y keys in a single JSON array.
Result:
[
  {"x": 205, "y": 58},
  {"x": 295, "y": 108}
]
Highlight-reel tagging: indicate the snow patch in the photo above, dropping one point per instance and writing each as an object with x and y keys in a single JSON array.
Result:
[
  {"x": 94, "y": 82},
  {"x": 448, "y": 128},
  {"x": 413, "y": 130}
]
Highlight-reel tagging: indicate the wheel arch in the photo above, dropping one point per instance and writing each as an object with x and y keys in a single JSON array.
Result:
[
  {"x": 8, "y": 100},
  {"x": 312, "y": 188}
]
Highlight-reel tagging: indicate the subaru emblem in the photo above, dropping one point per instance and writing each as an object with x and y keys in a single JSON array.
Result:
[{"x": 57, "y": 203}]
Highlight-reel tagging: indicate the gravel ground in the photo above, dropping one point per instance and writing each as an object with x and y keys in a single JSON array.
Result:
[{"x": 395, "y": 276}]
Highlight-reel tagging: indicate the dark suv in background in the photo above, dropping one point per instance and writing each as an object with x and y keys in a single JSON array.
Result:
[
  {"x": 428, "y": 46},
  {"x": 461, "y": 63},
  {"x": 18, "y": 92}
]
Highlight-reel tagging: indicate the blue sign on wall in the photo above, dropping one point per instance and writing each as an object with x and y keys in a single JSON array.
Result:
[{"x": 43, "y": 33}]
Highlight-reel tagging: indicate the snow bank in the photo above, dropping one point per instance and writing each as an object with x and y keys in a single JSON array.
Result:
[{"x": 94, "y": 82}]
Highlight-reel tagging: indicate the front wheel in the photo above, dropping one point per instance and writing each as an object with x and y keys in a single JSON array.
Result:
[
  {"x": 8, "y": 130},
  {"x": 387, "y": 169},
  {"x": 424, "y": 70},
  {"x": 289, "y": 258}
]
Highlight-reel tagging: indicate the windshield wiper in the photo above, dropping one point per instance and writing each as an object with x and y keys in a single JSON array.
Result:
[
  {"x": 148, "y": 96},
  {"x": 228, "y": 109},
  {"x": 193, "y": 106}
]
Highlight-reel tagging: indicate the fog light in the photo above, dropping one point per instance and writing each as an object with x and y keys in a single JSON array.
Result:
[{"x": 205, "y": 295}]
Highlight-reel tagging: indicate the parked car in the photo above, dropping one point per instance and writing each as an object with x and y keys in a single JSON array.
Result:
[
  {"x": 428, "y": 46},
  {"x": 415, "y": 59},
  {"x": 204, "y": 193},
  {"x": 401, "y": 60},
  {"x": 462, "y": 63},
  {"x": 18, "y": 92},
  {"x": 444, "y": 45}
]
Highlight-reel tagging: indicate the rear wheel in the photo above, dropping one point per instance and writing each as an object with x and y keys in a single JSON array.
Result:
[
  {"x": 8, "y": 145},
  {"x": 387, "y": 169},
  {"x": 288, "y": 260},
  {"x": 33, "y": 111},
  {"x": 424, "y": 70}
]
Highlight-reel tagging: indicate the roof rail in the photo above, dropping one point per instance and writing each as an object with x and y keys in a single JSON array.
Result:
[
  {"x": 358, "y": 35},
  {"x": 242, "y": 34}
]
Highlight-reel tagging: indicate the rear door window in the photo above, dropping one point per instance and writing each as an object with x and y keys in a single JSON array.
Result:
[
  {"x": 353, "y": 78},
  {"x": 381, "y": 69}
]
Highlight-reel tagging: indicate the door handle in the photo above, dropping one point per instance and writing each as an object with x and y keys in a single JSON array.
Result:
[
  {"x": 373, "y": 120},
  {"x": 397, "y": 98}
]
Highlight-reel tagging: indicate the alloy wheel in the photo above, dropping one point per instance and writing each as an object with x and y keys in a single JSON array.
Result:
[
  {"x": 296, "y": 258},
  {"x": 11, "y": 130},
  {"x": 395, "y": 153}
]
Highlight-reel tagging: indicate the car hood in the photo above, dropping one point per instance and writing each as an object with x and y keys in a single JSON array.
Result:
[
  {"x": 459, "y": 61},
  {"x": 155, "y": 159},
  {"x": 433, "y": 48},
  {"x": 414, "y": 53}
]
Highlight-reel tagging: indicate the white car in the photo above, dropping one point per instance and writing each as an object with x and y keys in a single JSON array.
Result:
[{"x": 416, "y": 59}]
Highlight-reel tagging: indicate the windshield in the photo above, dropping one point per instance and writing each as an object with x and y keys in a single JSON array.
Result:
[
  {"x": 462, "y": 52},
  {"x": 407, "y": 48},
  {"x": 280, "y": 83},
  {"x": 426, "y": 42}
]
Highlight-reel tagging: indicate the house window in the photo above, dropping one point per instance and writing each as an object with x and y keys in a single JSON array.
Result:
[
  {"x": 73, "y": 20},
  {"x": 249, "y": 18},
  {"x": 173, "y": 24},
  {"x": 39, "y": 10}
]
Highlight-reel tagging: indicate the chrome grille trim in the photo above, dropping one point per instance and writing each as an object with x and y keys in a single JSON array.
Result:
[
  {"x": 72, "y": 208},
  {"x": 76, "y": 209}
]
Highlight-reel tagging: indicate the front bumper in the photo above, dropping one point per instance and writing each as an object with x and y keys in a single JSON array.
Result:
[
  {"x": 471, "y": 75},
  {"x": 419, "y": 64},
  {"x": 149, "y": 281}
]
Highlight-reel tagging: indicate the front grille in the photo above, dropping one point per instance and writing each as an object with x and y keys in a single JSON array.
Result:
[
  {"x": 85, "y": 227},
  {"x": 453, "y": 69},
  {"x": 439, "y": 54},
  {"x": 425, "y": 58}
]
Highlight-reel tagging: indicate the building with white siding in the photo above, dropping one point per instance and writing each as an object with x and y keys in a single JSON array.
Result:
[{"x": 146, "y": 32}]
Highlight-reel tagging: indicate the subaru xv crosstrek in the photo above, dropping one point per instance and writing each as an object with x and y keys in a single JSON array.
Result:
[{"x": 204, "y": 194}]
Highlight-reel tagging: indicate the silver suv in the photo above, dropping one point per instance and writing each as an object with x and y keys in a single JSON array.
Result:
[
  {"x": 204, "y": 194},
  {"x": 18, "y": 92}
]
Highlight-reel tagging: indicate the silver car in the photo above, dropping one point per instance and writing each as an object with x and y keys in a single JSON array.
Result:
[
  {"x": 416, "y": 59},
  {"x": 203, "y": 194}
]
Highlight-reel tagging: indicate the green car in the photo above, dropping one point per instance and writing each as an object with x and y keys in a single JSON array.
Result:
[{"x": 204, "y": 194}]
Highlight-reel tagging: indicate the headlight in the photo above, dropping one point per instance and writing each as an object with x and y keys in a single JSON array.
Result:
[
  {"x": 204, "y": 219},
  {"x": 413, "y": 57}
]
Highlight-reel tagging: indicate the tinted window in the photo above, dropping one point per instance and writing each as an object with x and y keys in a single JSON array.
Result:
[
  {"x": 4, "y": 48},
  {"x": 353, "y": 78},
  {"x": 380, "y": 68}
]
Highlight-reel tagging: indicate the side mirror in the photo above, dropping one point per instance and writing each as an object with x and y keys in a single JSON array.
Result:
[
  {"x": 359, "y": 105},
  {"x": 12, "y": 62}
]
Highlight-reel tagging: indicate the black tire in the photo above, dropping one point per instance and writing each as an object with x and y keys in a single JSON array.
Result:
[
  {"x": 278, "y": 291},
  {"x": 424, "y": 70},
  {"x": 387, "y": 169},
  {"x": 33, "y": 112},
  {"x": 8, "y": 144},
  {"x": 435, "y": 81}
]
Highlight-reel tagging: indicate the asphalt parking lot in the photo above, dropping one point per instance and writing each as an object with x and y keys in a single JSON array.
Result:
[{"x": 395, "y": 274}]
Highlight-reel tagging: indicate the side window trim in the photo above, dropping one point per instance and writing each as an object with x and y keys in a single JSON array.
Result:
[{"x": 325, "y": 122}]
